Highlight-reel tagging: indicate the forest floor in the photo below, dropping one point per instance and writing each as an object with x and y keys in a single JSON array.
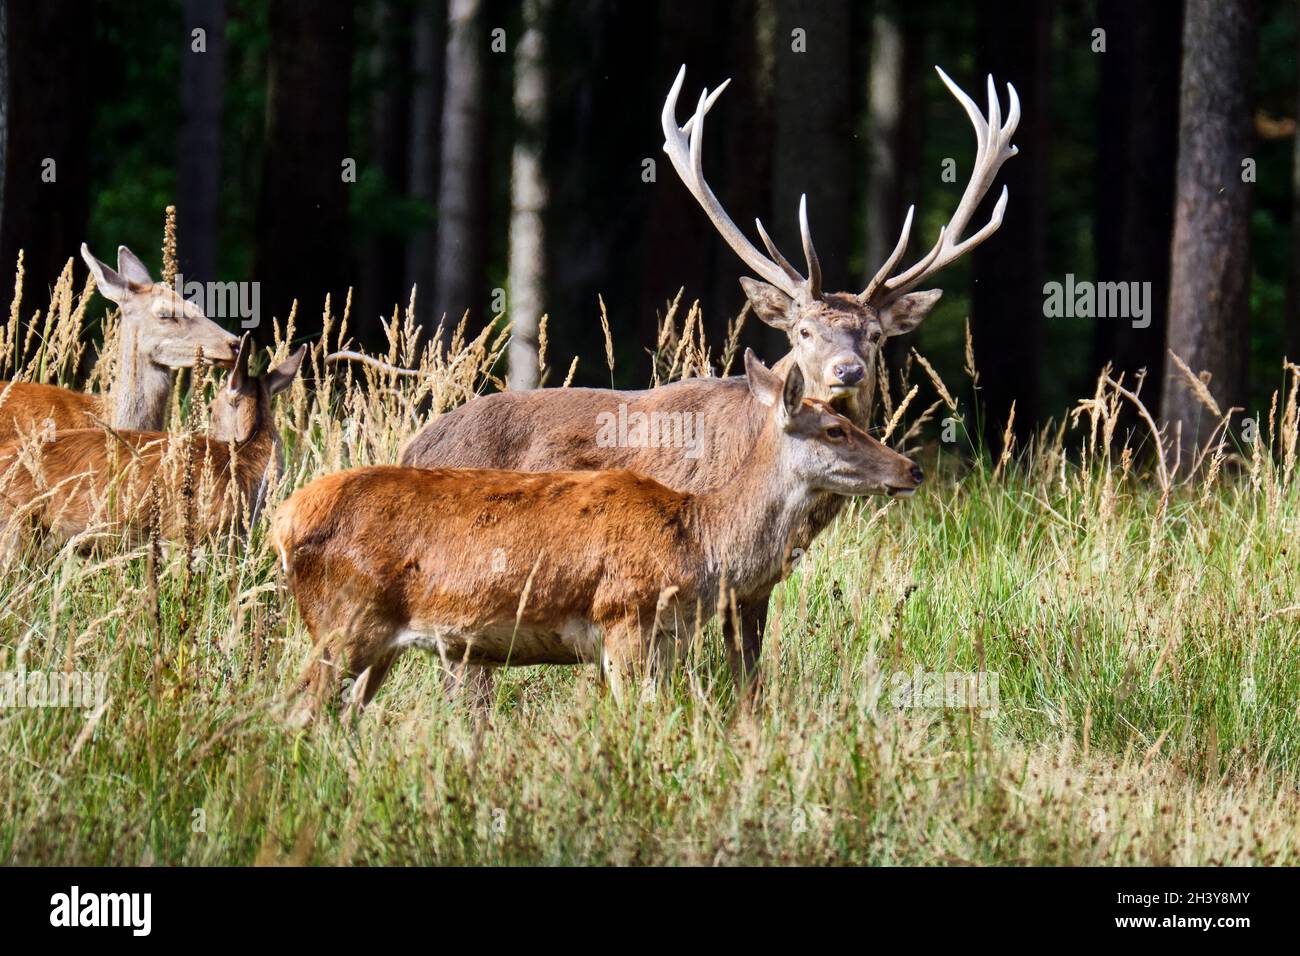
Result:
[{"x": 1128, "y": 640}]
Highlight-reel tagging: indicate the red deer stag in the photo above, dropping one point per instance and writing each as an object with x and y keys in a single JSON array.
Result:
[
  {"x": 89, "y": 482},
  {"x": 160, "y": 332},
  {"x": 502, "y": 568},
  {"x": 834, "y": 338}
]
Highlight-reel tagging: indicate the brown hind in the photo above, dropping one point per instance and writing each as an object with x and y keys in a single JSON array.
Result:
[{"x": 499, "y": 568}]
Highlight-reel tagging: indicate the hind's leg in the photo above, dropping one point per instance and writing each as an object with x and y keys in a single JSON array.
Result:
[
  {"x": 362, "y": 646},
  {"x": 472, "y": 682}
]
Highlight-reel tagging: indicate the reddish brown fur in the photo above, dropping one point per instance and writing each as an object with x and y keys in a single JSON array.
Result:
[
  {"x": 112, "y": 481},
  {"x": 496, "y": 567}
]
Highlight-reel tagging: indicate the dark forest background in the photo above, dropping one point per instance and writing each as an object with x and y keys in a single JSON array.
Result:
[{"x": 501, "y": 146}]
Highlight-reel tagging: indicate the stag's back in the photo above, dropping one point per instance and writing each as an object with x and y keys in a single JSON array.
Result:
[{"x": 689, "y": 435}]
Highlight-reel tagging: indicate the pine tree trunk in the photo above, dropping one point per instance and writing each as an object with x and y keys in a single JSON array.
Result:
[
  {"x": 462, "y": 206},
  {"x": 1209, "y": 305},
  {"x": 429, "y": 42},
  {"x": 198, "y": 163},
  {"x": 303, "y": 211},
  {"x": 383, "y": 267},
  {"x": 814, "y": 136},
  {"x": 528, "y": 199},
  {"x": 1009, "y": 269},
  {"x": 1137, "y": 148},
  {"x": 46, "y": 198},
  {"x": 893, "y": 138}
]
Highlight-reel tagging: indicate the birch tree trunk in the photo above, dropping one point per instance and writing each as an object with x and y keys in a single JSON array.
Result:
[{"x": 528, "y": 200}]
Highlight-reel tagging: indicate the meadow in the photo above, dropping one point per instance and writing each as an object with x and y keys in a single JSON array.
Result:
[{"x": 1141, "y": 625}]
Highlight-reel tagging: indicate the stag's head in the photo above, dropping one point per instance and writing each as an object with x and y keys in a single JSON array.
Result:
[
  {"x": 835, "y": 337},
  {"x": 158, "y": 324}
]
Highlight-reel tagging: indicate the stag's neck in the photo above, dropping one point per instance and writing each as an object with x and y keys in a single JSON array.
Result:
[
  {"x": 748, "y": 525},
  {"x": 140, "y": 391}
]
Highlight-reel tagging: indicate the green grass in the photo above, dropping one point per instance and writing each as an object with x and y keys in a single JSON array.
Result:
[{"x": 1123, "y": 733}]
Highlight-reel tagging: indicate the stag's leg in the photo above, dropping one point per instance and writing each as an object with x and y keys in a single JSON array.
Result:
[{"x": 623, "y": 657}]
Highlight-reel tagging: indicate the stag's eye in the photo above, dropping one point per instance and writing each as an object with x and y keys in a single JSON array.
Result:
[
  {"x": 805, "y": 334},
  {"x": 835, "y": 433}
]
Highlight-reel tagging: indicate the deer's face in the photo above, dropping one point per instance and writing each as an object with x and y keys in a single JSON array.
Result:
[
  {"x": 163, "y": 327},
  {"x": 244, "y": 403},
  {"x": 835, "y": 340},
  {"x": 821, "y": 447},
  {"x": 171, "y": 331}
]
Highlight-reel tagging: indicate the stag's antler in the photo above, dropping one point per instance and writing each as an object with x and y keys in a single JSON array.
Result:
[
  {"x": 684, "y": 147},
  {"x": 993, "y": 148}
]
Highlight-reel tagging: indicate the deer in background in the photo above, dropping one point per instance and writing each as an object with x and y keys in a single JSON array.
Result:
[
  {"x": 501, "y": 568},
  {"x": 92, "y": 480},
  {"x": 160, "y": 331},
  {"x": 834, "y": 338}
]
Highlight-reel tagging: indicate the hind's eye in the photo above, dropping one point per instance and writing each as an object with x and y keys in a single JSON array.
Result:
[
  {"x": 805, "y": 334},
  {"x": 835, "y": 433}
]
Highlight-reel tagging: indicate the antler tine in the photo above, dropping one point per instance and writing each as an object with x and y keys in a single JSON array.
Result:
[
  {"x": 992, "y": 148},
  {"x": 775, "y": 253},
  {"x": 899, "y": 248},
  {"x": 684, "y": 147},
  {"x": 809, "y": 253}
]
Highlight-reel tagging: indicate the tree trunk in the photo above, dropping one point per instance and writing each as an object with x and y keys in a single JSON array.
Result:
[
  {"x": 198, "y": 161},
  {"x": 1137, "y": 148},
  {"x": 893, "y": 138},
  {"x": 428, "y": 53},
  {"x": 1009, "y": 269},
  {"x": 47, "y": 121},
  {"x": 462, "y": 201},
  {"x": 1210, "y": 271},
  {"x": 528, "y": 199},
  {"x": 302, "y": 237},
  {"x": 1291, "y": 333},
  {"x": 383, "y": 266},
  {"x": 814, "y": 136}
]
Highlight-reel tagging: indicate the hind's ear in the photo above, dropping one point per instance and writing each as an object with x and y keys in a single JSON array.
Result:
[
  {"x": 792, "y": 391},
  {"x": 763, "y": 382},
  {"x": 111, "y": 284},
  {"x": 281, "y": 377},
  {"x": 129, "y": 264}
]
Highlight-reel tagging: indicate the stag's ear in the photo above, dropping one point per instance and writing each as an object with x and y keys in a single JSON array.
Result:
[
  {"x": 129, "y": 264},
  {"x": 792, "y": 392},
  {"x": 281, "y": 377},
  {"x": 111, "y": 284},
  {"x": 906, "y": 312},
  {"x": 763, "y": 382},
  {"x": 770, "y": 304}
]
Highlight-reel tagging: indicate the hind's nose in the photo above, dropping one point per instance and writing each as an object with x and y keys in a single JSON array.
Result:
[
  {"x": 917, "y": 474},
  {"x": 849, "y": 374}
]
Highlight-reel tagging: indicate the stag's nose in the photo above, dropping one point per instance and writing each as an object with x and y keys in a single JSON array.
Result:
[
  {"x": 849, "y": 374},
  {"x": 917, "y": 474}
]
